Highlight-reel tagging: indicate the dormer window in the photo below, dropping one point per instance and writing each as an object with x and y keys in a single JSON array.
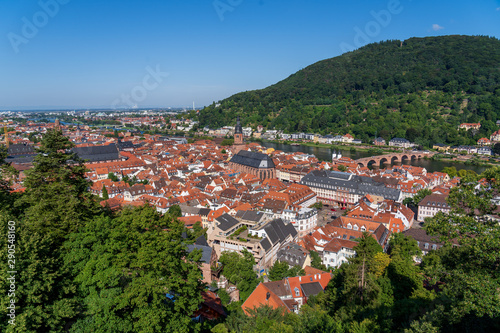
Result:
[{"x": 297, "y": 292}]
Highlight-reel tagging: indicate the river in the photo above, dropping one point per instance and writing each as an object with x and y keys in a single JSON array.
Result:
[{"x": 325, "y": 154}]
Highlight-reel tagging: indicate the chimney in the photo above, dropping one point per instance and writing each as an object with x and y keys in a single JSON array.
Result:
[{"x": 300, "y": 278}]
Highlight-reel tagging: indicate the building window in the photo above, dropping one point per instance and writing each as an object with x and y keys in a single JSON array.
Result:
[
  {"x": 426, "y": 246},
  {"x": 297, "y": 292}
]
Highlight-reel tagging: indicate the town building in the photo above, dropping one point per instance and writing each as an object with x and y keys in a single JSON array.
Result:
[
  {"x": 468, "y": 126},
  {"x": 346, "y": 189},
  {"x": 257, "y": 164},
  {"x": 208, "y": 258},
  {"x": 288, "y": 294},
  {"x": 263, "y": 240},
  {"x": 441, "y": 147},
  {"x": 338, "y": 251},
  {"x": 431, "y": 205},
  {"x": 98, "y": 154},
  {"x": 425, "y": 242},
  {"x": 379, "y": 141},
  {"x": 294, "y": 255},
  {"x": 400, "y": 142},
  {"x": 304, "y": 220},
  {"x": 495, "y": 137},
  {"x": 485, "y": 151},
  {"x": 483, "y": 142}
]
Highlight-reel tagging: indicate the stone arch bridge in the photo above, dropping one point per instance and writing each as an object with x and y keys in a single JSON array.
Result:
[{"x": 395, "y": 158}]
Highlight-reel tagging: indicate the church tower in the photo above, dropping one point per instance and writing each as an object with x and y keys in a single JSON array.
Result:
[{"x": 238, "y": 133}]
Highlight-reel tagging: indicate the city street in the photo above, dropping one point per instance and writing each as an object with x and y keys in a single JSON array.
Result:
[{"x": 326, "y": 214}]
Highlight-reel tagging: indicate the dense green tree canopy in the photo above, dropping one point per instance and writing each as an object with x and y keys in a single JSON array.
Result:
[
  {"x": 127, "y": 266},
  {"x": 281, "y": 270},
  {"x": 238, "y": 269}
]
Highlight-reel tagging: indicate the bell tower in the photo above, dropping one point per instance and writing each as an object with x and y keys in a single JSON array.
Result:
[{"x": 238, "y": 133}]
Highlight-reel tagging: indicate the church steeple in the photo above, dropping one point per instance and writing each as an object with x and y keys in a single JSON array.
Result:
[
  {"x": 238, "y": 129},
  {"x": 238, "y": 133}
]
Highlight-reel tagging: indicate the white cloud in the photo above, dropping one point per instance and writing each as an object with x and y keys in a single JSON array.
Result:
[{"x": 437, "y": 27}]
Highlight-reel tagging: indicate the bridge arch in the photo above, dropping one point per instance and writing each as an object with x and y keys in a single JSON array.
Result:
[{"x": 384, "y": 160}]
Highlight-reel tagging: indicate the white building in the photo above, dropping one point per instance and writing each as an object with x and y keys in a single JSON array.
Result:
[
  {"x": 304, "y": 221},
  {"x": 338, "y": 251}
]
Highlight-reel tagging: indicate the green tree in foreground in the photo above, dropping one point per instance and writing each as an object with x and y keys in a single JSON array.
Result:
[
  {"x": 496, "y": 149},
  {"x": 238, "y": 269},
  {"x": 134, "y": 274},
  {"x": 113, "y": 177},
  {"x": 175, "y": 211},
  {"x": 316, "y": 261},
  {"x": 55, "y": 204},
  {"x": 281, "y": 270},
  {"x": 6, "y": 173},
  {"x": 451, "y": 171},
  {"x": 278, "y": 271},
  {"x": 105, "y": 194},
  {"x": 415, "y": 200},
  {"x": 469, "y": 273},
  {"x": 227, "y": 142}
]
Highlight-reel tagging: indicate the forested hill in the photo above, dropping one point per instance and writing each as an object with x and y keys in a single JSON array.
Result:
[{"x": 421, "y": 89}]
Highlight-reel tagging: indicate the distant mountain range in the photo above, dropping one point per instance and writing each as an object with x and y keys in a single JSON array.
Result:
[{"x": 420, "y": 89}]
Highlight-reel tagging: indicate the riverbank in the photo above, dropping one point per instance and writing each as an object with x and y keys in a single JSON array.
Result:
[
  {"x": 466, "y": 159},
  {"x": 325, "y": 154},
  {"x": 377, "y": 150}
]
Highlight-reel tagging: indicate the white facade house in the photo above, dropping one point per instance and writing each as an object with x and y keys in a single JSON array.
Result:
[
  {"x": 400, "y": 142},
  {"x": 337, "y": 252},
  {"x": 304, "y": 221}
]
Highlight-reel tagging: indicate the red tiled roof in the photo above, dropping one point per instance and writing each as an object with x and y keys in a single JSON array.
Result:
[{"x": 263, "y": 296}]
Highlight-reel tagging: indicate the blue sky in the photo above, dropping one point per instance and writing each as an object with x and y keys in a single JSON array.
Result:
[{"x": 89, "y": 53}]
